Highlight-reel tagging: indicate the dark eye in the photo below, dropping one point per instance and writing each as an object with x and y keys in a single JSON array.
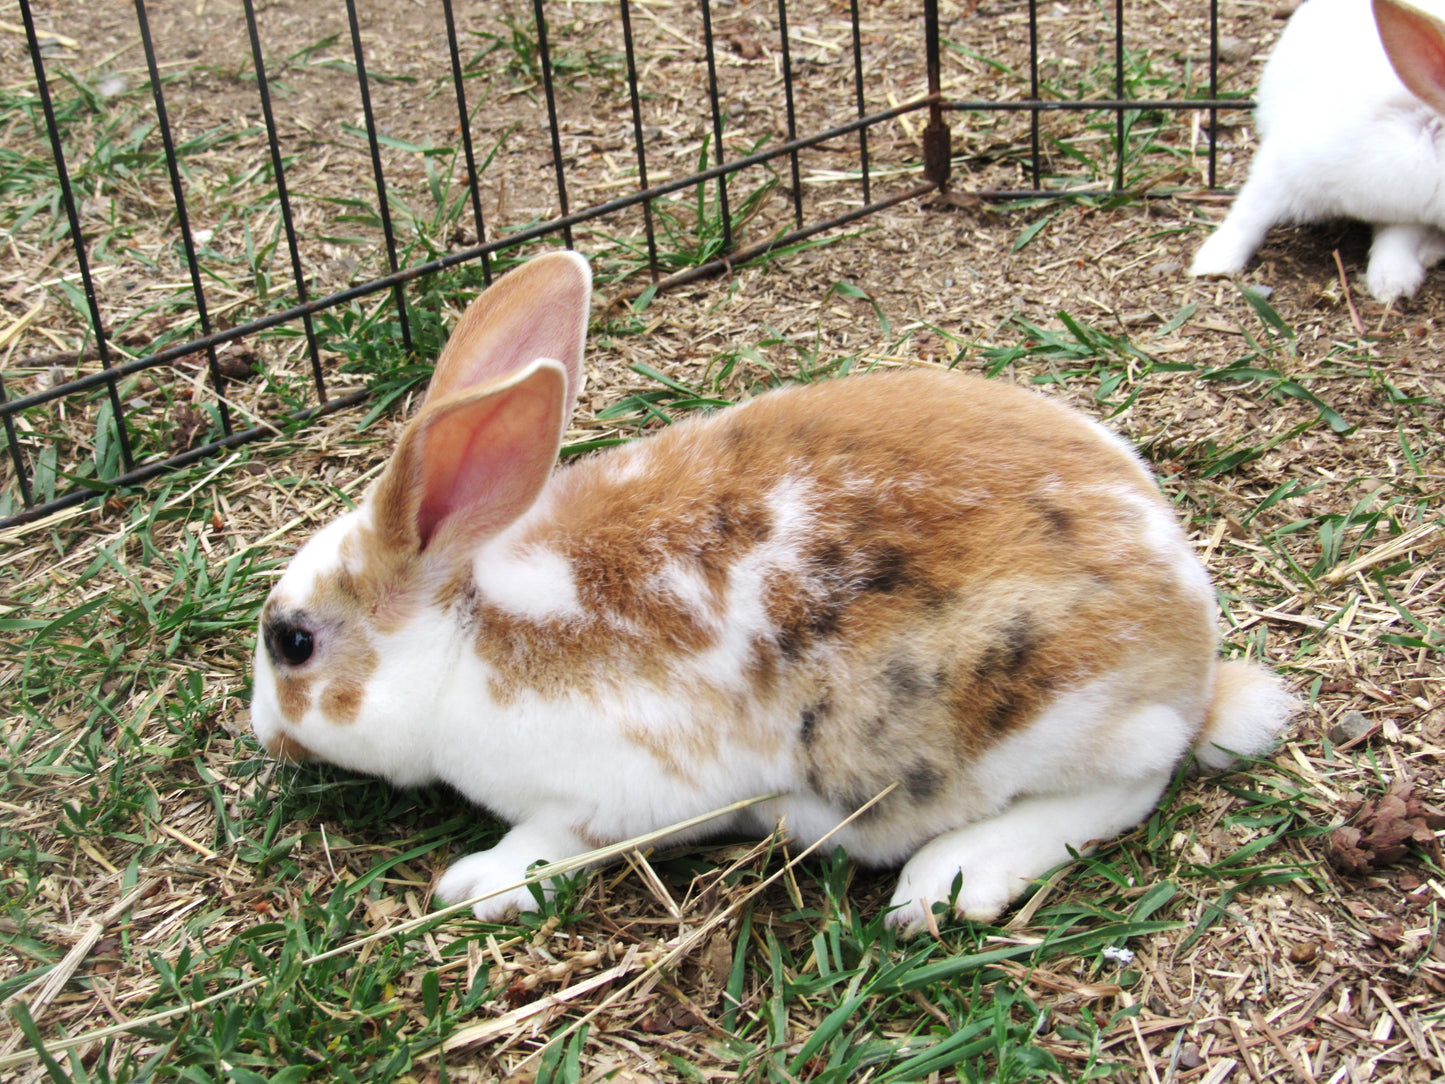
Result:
[{"x": 290, "y": 642}]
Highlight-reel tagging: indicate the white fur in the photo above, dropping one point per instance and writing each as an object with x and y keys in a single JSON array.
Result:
[
  {"x": 1164, "y": 537},
  {"x": 1340, "y": 137},
  {"x": 627, "y": 462},
  {"x": 1048, "y": 788},
  {"x": 317, "y": 557},
  {"x": 1127, "y": 450},
  {"x": 532, "y": 582},
  {"x": 1052, "y": 787},
  {"x": 682, "y": 581}
]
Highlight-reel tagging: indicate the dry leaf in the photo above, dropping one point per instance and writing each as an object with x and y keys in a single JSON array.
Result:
[{"x": 1380, "y": 830}]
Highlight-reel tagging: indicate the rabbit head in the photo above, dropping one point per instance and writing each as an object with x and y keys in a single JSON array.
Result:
[{"x": 351, "y": 640}]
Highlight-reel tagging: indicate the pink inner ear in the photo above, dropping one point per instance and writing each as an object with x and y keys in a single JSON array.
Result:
[
  {"x": 1414, "y": 41},
  {"x": 537, "y": 310},
  {"x": 485, "y": 459}
]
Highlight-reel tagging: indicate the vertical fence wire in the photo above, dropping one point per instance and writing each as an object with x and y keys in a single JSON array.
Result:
[
  {"x": 637, "y": 141},
  {"x": 77, "y": 240},
  {"x": 1034, "y": 164},
  {"x": 22, "y": 476},
  {"x": 278, "y": 171},
  {"x": 1119, "y": 146},
  {"x": 787, "y": 57},
  {"x": 464, "y": 120},
  {"x": 937, "y": 142},
  {"x": 183, "y": 218},
  {"x": 1213, "y": 87},
  {"x": 382, "y": 204},
  {"x": 556, "y": 129},
  {"x": 717, "y": 130},
  {"x": 858, "y": 92}
]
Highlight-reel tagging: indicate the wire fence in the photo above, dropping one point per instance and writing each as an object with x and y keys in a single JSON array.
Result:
[{"x": 723, "y": 131}]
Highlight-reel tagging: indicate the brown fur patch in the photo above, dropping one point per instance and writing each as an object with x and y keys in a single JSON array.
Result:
[
  {"x": 294, "y": 694},
  {"x": 387, "y": 586},
  {"x": 966, "y": 557},
  {"x": 640, "y": 629},
  {"x": 286, "y": 748},
  {"x": 341, "y": 702}
]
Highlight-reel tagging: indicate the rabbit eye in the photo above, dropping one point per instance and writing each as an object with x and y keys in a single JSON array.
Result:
[
  {"x": 296, "y": 646},
  {"x": 293, "y": 643}
]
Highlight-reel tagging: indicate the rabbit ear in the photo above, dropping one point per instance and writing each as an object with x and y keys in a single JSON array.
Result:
[
  {"x": 1414, "y": 41},
  {"x": 537, "y": 310},
  {"x": 469, "y": 465}
]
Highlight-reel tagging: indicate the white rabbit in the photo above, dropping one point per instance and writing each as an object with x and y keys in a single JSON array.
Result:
[
  {"x": 919, "y": 578},
  {"x": 1341, "y": 136}
]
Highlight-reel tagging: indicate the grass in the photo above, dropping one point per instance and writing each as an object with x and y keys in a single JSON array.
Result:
[
  {"x": 294, "y": 985},
  {"x": 517, "y": 44},
  {"x": 1128, "y": 152},
  {"x": 282, "y": 920}
]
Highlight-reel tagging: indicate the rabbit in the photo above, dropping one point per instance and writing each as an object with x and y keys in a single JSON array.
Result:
[
  {"x": 1350, "y": 126},
  {"x": 917, "y": 578}
]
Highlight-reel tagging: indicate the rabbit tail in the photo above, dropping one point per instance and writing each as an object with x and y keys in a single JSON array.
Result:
[{"x": 1248, "y": 709}]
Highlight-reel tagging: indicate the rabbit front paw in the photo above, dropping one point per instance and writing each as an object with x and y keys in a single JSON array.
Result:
[
  {"x": 1399, "y": 257},
  {"x": 487, "y": 874},
  {"x": 988, "y": 882},
  {"x": 1225, "y": 252},
  {"x": 497, "y": 873}
]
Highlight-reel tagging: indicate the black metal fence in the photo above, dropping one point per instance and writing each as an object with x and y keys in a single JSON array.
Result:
[{"x": 779, "y": 119}]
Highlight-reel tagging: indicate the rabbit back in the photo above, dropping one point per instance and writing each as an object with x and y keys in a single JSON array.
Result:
[{"x": 886, "y": 579}]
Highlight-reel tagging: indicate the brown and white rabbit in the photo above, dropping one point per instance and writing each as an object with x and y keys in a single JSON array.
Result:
[
  {"x": 917, "y": 577},
  {"x": 1351, "y": 103}
]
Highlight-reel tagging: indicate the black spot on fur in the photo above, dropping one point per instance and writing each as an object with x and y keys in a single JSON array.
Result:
[
  {"x": 732, "y": 520},
  {"x": 922, "y": 781},
  {"x": 853, "y": 794},
  {"x": 1058, "y": 521},
  {"x": 819, "y": 620},
  {"x": 808, "y": 723},
  {"x": 885, "y": 572},
  {"x": 909, "y": 684},
  {"x": 1010, "y": 651},
  {"x": 830, "y": 559},
  {"x": 738, "y": 435},
  {"x": 936, "y": 600},
  {"x": 1000, "y": 715},
  {"x": 904, "y": 680},
  {"x": 791, "y": 643},
  {"x": 892, "y": 571}
]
